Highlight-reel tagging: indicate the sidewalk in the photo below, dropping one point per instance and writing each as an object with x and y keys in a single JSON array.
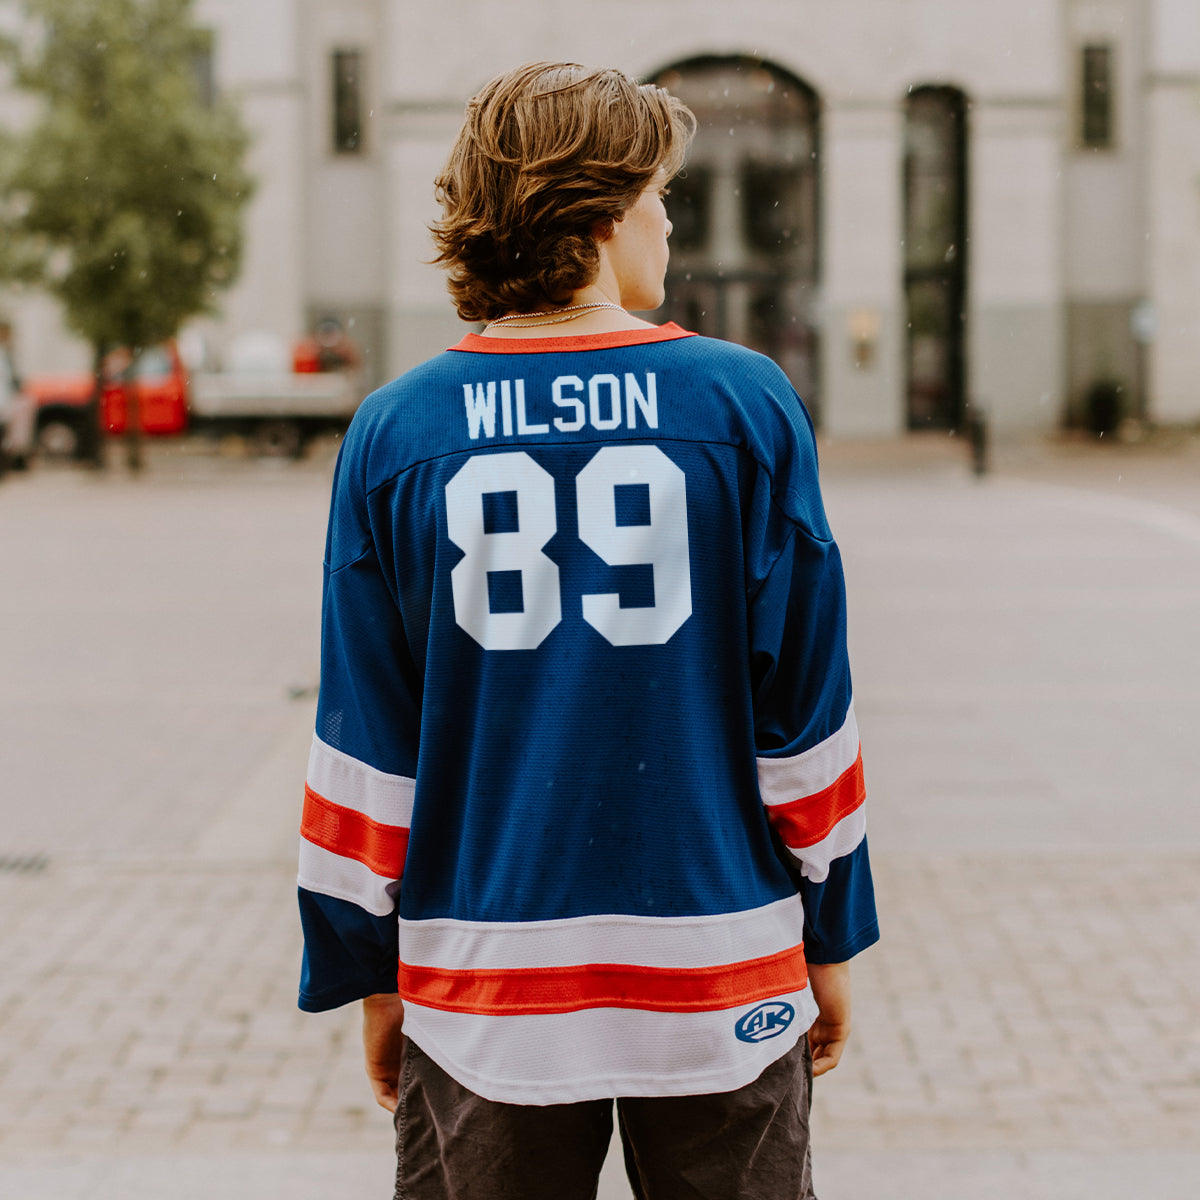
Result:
[{"x": 1025, "y": 649}]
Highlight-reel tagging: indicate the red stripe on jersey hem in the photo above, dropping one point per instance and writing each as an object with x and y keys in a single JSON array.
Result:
[
  {"x": 527, "y": 991},
  {"x": 811, "y": 819},
  {"x": 477, "y": 344},
  {"x": 351, "y": 834}
]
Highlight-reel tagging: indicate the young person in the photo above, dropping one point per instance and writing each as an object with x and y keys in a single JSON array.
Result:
[{"x": 584, "y": 813}]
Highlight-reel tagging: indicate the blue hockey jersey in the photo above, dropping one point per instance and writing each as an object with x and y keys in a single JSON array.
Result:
[{"x": 585, "y": 785}]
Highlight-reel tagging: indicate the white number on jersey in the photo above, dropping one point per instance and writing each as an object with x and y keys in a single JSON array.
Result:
[
  {"x": 660, "y": 542},
  {"x": 517, "y": 550},
  {"x": 663, "y": 543}
]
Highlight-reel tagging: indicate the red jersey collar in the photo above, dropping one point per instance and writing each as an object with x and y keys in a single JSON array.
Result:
[{"x": 476, "y": 344}]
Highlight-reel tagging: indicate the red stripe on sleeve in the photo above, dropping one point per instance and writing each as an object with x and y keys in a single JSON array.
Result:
[
  {"x": 811, "y": 819},
  {"x": 381, "y": 848},
  {"x": 529, "y": 990}
]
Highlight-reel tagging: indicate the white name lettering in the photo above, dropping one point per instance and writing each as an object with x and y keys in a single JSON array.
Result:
[
  {"x": 506, "y": 407},
  {"x": 523, "y": 423},
  {"x": 576, "y": 385},
  {"x": 647, "y": 401},
  {"x": 611, "y": 402},
  {"x": 595, "y": 404},
  {"x": 481, "y": 410}
]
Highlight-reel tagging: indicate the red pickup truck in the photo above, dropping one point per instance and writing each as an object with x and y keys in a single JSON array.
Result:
[
  {"x": 278, "y": 411},
  {"x": 161, "y": 383}
]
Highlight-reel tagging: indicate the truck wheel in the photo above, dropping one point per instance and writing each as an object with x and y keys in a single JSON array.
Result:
[
  {"x": 58, "y": 438},
  {"x": 279, "y": 439}
]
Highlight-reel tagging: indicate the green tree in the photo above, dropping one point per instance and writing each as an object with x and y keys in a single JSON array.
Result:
[{"x": 124, "y": 198}]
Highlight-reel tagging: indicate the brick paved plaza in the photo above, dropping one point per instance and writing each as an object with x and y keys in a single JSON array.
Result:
[{"x": 1025, "y": 650}]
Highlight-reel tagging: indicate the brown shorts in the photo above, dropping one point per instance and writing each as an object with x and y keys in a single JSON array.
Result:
[{"x": 749, "y": 1144}]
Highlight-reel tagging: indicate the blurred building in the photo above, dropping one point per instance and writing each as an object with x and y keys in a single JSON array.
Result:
[{"x": 914, "y": 206}]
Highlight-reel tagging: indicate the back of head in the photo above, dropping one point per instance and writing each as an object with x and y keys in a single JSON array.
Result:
[{"x": 549, "y": 156}]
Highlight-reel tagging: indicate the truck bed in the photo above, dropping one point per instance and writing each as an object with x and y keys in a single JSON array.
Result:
[{"x": 251, "y": 394}]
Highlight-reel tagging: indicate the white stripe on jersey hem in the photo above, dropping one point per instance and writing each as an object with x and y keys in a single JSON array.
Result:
[
  {"x": 597, "y": 1053},
  {"x": 340, "y": 779},
  {"x": 343, "y": 878},
  {"x": 841, "y": 840},
  {"x": 782, "y": 780},
  {"x": 671, "y": 942}
]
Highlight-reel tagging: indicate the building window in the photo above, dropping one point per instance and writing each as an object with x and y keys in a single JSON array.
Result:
[
  {"x": 1096, "y": 98},
  {"x": 935, "y": 259},
  {"x": 348, "y": 101},
  {"x": 745, "y": 262}
]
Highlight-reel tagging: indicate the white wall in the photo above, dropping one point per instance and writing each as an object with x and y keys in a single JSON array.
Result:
[
  {"x": 1173, "y": 191},
  {"x": 862, "y": 236},
  {"x": 1105, "y": 246},
  {"x": 1015, "y": 271},
  {"x": 345, "y": 259},
  {"x": 422, "y": 318},
  {"x": 258, "y": 62}
]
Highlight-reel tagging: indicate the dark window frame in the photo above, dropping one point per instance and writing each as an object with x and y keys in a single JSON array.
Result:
[
  {"x": 1097, "y": 105},
  {"x": 935, "y": 285},
  {"x": 348, "y": 109}
]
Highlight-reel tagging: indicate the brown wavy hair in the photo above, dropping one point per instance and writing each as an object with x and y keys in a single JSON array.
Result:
[{"x": 548, "y": 157}]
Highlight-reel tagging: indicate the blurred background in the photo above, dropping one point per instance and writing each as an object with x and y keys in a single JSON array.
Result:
[
  {"x": 969, "y": 232},
  {"x": 915, "y": 207}
]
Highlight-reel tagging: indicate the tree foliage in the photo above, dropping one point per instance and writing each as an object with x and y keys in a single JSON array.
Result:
[{"x": 124, "y": 197}]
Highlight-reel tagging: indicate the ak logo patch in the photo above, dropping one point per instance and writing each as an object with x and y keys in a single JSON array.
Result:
[{"x": 766, "y": 1021}]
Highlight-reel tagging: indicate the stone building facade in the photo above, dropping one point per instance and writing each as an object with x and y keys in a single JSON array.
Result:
[{"x": 917, "y": 208}]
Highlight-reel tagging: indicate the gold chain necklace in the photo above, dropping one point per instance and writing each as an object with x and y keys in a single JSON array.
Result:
[{"x": 574, "y": 310}]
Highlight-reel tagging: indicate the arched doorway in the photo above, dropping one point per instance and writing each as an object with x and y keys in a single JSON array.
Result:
[
  {"x": 745, "y": 260},
  {"x": 935, "y": 258}
]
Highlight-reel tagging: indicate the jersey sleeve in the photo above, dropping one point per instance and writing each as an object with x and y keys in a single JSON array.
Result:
[
  {"x": 358, "y": 794},
  {"x": 809, "y": 761}
]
